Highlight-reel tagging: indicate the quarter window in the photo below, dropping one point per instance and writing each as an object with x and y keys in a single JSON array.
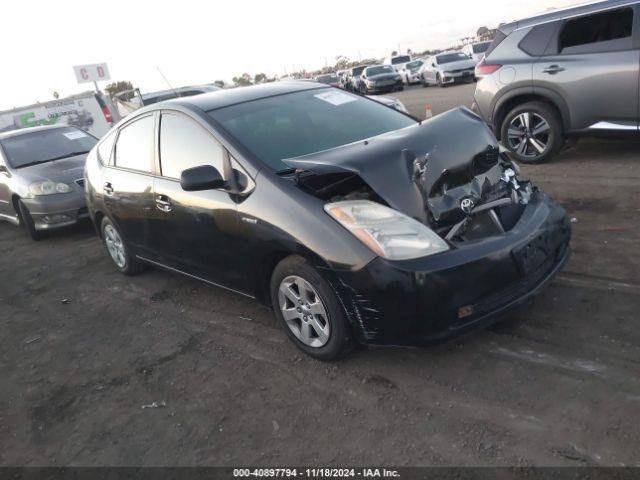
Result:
[
  {"x": 105, "y": 148},
  {"x": 134, "y": 148},
  {"x": 601, "y": 32},
  {"x": 185, "y": 144}
]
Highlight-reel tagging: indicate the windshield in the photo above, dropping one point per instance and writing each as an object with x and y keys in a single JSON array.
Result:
[
  {"x": 46, "y": 145},
  {"x": 401, "y": 59},
  {"x": 480, "y": 47},
  {"x": 371, "y": 71},
  {"x": 332, "y": 78},
  {"x": 358, "y": 70},
  {"x": 451, "y": 57},
  {"x": 300, "y": 123},
  {"x": 414, "y": 65}
]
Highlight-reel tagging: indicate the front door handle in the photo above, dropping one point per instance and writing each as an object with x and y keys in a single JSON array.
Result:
[
  {"x": 108, "y": 188},
  {"x": 163, "y": 203},
  {"x": 553, "y": 69}
]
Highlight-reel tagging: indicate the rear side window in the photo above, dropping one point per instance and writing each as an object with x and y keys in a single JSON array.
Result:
[
  {"x": 134, "y": 148},
  {"x": 600, "y": 32},
  {"x": 535, "y": 42},
  {"x": 185, "y": 144},
  {"x": 105, "y": 147},
  {"x": 497, "y": 40}
]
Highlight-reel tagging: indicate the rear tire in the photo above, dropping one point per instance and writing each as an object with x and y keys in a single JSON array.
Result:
[
  {"x": 117, "y": 249},
  {"x": 285, "y": 297},
  {"x": 26, "y": 220},
  {"x": 536, "y": 114}
]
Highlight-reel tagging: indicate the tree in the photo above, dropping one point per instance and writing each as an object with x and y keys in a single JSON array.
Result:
[
  {"x": 242, "y": 80},
  {"x": 117, "y": 87},
  {"x": 219, "y": 83},
  {"x": 482, "y": 31},
  {"x": 259, "y": 78}
]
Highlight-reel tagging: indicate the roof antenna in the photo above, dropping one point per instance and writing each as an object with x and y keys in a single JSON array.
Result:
[{"x": 165, "y": 79}]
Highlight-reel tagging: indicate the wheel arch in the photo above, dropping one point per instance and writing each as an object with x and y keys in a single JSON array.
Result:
[{"x": 517, "y": 97}]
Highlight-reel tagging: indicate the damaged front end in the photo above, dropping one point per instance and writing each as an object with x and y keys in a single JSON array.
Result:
[
  {"x": 447, "y": 173},
  {"x": 498, "y": 240}
]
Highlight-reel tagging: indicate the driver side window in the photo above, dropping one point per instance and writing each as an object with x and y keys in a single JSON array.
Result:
[{"x": 185, "y": 144}]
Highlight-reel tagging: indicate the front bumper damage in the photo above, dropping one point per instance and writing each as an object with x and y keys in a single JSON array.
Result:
[
  {"x": 416, "y": 302},
  {"x": 56, "y": 211}
]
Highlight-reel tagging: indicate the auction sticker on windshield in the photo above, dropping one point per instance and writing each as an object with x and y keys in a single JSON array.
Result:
[
  {"x": 75, "y": 135},
  {"x": 335, "y": 98}
]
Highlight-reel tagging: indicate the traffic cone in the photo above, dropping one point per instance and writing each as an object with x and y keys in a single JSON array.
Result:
[{"x": 428, "y": 113}]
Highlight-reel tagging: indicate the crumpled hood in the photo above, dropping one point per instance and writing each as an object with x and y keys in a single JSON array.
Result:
[
  {"x": 391, "y": 163},
  {"x": 65, "y": 170}
]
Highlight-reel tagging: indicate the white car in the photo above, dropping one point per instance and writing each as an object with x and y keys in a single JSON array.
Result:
[
  {"x": 410, "y": 72},
  {"x": 475, "y": 51},
  {"x": 447, "y": 68},
  {"x": 397, "y": 61}
]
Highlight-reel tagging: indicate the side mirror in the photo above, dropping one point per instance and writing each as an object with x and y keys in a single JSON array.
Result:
[{"x": 205, "y": 177}]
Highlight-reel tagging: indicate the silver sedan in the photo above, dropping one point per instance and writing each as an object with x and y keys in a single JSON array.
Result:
[{"x": 41, "y": 177}]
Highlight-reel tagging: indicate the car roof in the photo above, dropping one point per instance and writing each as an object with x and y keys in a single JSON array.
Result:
[
  {"x": 23, "y": 131},
  {"x": 225, "y": 98},
  {"x": 559, "y": 14}
]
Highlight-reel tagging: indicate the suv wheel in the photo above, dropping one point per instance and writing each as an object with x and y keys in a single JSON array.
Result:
[
  {"x": 117, "y": 249},
  {"x": 532, "y": 132},
  {"x": 439, "y": 81},
  {"x": 310, "y": 310},
  {"x": 423, "y": 81}
]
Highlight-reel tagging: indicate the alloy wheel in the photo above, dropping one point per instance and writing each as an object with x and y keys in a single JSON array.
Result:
[
  {"x": 304, "y": 311},
  {"x": 115, "y": 246},
  {"x": 529, "y": 135}
]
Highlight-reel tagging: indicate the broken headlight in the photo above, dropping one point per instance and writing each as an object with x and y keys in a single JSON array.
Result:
[{"x": 387, "y": 232}]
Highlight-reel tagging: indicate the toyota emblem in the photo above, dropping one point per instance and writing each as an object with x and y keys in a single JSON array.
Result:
[{"x": 466, "y": 205}]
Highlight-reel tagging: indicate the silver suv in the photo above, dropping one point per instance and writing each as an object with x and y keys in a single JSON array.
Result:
[{"x": 562, "y": 73}]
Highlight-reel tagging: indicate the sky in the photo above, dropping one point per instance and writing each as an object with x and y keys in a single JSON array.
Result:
[{"x": 194, "y": 42}]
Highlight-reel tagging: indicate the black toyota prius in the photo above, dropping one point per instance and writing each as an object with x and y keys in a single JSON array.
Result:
[{"x": 355, "y": 222}]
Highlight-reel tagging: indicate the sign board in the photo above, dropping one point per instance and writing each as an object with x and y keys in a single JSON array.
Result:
[{"x": 91, "y": 73}]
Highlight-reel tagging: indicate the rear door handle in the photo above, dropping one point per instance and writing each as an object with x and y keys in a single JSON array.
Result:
[
  {"x": 163, "y": 203},
  {"x": 108, "y": 189},
  {"x": 553, "y": 69}
]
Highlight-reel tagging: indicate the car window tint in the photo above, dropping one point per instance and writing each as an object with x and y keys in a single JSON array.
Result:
[
  {"x": 604, "y": 31},
  {"x": 134, "y": 148},
  {"x": 497, "y": 40},
  {"x": 185, "y": 144},
  {"x": 300, "y": 123},
  {"x": 105, "y": 147}
]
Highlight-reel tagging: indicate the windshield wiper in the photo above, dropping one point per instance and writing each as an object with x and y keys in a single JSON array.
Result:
[
  {"x": 66, "y": 155},
  {"x": 286, "y": 171}
]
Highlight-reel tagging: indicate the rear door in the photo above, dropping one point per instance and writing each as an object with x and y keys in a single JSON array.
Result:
[
  {"x": 592, "y": 62},
  {"x": 128, "y": 183},
  {"x": 194, "y": 232}
]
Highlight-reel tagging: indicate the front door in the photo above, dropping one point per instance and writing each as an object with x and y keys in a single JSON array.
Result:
[
  {"x": 127, "y": 185},
  {"x": 592, "y": 63},
  {"x": 194, "y": 232}
]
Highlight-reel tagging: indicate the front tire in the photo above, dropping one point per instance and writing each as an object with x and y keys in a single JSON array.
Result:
[
  {"x": 117, "y": 249},
  {"x": 439, "y": 81},
  {"x": 309, "y": 309},
  {"x": 26, "y": 220},
  {"x": 532, "y": 132}
]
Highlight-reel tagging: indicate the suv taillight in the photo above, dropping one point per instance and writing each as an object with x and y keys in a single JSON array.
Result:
[{"x": 483, "y": 68}]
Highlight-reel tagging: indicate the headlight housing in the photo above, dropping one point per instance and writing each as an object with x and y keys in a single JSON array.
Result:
[
  {"x": 49, "y": 188},
  {"x": 387, "y": 232}
]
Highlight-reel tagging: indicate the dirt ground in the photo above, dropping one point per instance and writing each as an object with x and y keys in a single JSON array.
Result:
[{"x": 85, "y": 349}]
